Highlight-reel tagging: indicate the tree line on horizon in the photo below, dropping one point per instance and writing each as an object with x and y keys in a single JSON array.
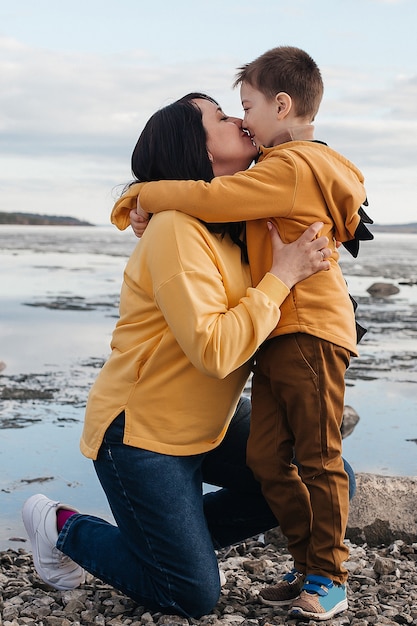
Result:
[{"x": 36, "y": 219}]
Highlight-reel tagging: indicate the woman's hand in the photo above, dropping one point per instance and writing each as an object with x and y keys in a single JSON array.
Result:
[
  {"x": 139, "y": 219},
  {"x": 307, "y": 255}
]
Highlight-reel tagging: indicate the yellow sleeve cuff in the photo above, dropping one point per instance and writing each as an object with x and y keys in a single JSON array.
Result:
[
  {"x": 120, "y": 213},
  {"x": 274, "y": 288}
]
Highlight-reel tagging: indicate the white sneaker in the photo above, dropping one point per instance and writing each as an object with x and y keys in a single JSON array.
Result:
[{"x": 52, "y": 565}]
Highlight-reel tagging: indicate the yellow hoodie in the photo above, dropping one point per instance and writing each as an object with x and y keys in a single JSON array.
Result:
[
  {"x": 189, "y": 323},
  {"x": 293, "y": 184}
]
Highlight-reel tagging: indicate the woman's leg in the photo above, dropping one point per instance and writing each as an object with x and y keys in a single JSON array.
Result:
[
  {"x": 160, "y": 553},
  {"x": 238, "y": 510}
]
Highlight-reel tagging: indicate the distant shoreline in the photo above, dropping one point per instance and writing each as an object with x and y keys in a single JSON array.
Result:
[
  {"x": 35, "y": 219},
  {"x": 394, "y": 228}
]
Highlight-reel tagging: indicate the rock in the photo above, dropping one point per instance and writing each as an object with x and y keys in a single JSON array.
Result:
[
  {"x": 383, "y": 510},
  {"x": 382, "y": 290},
  {"x": 168, "y": 620},
  {"x": 350, "y": 419},
  {"x": 384, "y": 565},
  {"x": 254, "y": 566}
]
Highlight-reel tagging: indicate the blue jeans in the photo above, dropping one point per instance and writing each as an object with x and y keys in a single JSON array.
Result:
[{"x": 161, "y": 552}]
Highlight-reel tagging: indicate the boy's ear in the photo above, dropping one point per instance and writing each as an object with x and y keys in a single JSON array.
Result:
[{"x": 284, "y": 104}]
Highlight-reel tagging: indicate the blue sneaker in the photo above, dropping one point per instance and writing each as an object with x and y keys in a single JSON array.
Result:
[{"x": 320, "y": 599}]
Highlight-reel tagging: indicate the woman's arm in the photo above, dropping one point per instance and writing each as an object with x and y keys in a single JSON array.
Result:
[
  {"x": 307, "y": 255},
  {"x": 219, "y": 331}
]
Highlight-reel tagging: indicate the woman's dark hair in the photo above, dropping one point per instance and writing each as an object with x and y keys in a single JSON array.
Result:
[{"x": 173, "y": 146}]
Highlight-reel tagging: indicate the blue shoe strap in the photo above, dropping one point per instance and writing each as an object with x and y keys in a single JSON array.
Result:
[
  {"x": 291, "y": 576},
  {"x": 315, "y": 584}
]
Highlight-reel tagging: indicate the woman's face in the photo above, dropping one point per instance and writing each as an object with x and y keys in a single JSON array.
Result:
[{"x": 230, "y": 148}]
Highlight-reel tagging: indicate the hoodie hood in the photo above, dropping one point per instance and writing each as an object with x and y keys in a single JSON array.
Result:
[{"x": 342, "y": 186}]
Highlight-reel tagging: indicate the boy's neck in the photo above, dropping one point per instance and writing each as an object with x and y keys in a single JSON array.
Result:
[{"x": 301, "y": 132}]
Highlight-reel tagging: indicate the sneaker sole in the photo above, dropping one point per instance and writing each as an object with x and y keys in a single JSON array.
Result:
[
  {"x": 28, "y": 511},
  {"x": 277, "y": 602},
  {"x": 339, "y": 608}
]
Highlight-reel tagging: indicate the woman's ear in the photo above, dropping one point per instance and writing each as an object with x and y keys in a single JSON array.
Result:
[
  {"x": 284, "y": 104},
  {"x": 210, "y": 156}
]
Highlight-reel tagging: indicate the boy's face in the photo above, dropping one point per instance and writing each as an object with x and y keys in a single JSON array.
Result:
[{"x": 261, "y": 116}]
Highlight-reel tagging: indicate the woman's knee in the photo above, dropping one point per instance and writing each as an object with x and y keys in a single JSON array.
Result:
[{"x": 199, "y": 598}]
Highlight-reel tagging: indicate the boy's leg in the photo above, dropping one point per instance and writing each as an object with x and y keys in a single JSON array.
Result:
[
  {"x": 270, "y": 454},
  {"x": 299, "y": 381},
  {"x": 318, "y": 448},
  {"x": 160, "y": 553}
]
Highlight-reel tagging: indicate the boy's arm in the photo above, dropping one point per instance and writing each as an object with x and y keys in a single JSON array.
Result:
[
  {"x": 120, "y": 215},
  {"x": 266, "y": 189},
  {"x": 123, "y": 211}
]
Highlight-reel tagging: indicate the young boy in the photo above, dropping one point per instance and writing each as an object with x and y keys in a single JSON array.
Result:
[{"x": 298, "y": 381}]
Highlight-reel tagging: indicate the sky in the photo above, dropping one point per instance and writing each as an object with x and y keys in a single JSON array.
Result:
[{"x": 79, "y": 79}]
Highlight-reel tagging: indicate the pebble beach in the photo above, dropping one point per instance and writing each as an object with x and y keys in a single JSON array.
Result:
[{"x": 382, "y": 589}]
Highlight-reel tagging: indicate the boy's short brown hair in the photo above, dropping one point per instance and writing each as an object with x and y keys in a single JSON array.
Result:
[{"x": 288, "y": 69}]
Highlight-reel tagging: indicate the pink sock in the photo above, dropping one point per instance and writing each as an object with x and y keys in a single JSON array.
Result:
[{"x": 62, "y": 516}]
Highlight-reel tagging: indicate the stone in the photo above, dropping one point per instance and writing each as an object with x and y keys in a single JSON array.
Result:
[
  {"x": 382, "y": 290},
  {"x": 384, "y": 565},
  {"x": 254, "y": 567},
  {"x": 350, "y": 419},
  {"x": 383, "y": 510}
]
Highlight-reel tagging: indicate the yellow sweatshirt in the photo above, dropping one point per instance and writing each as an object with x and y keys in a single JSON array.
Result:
[
  {"x": 293, "y": 184},
  {"x": 189, "y": 323}
]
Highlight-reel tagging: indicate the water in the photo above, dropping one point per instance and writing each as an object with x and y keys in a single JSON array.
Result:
[
  {"x": 382, "y": 382},
  {"x": 59, "y": 291}
]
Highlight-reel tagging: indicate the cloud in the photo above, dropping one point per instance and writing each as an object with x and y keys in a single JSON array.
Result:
[
  {"x": 390, "y": 1},
  {"x": 56, "y": 103},
  {"x": 69, "y": 121},
  {"x": 370, "y": 117}
]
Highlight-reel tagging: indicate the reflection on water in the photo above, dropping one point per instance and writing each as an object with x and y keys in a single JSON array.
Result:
[
  {"x": 59, "y": 290},
  {"x": 382, "y": 442},
  {"x": 44, "y": 457}
]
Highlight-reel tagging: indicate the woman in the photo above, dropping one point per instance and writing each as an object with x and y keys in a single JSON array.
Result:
[{"x": 159, "y": 417}]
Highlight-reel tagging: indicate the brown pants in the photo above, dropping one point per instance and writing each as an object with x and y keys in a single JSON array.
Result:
[{"x": 297, "y": 409}]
